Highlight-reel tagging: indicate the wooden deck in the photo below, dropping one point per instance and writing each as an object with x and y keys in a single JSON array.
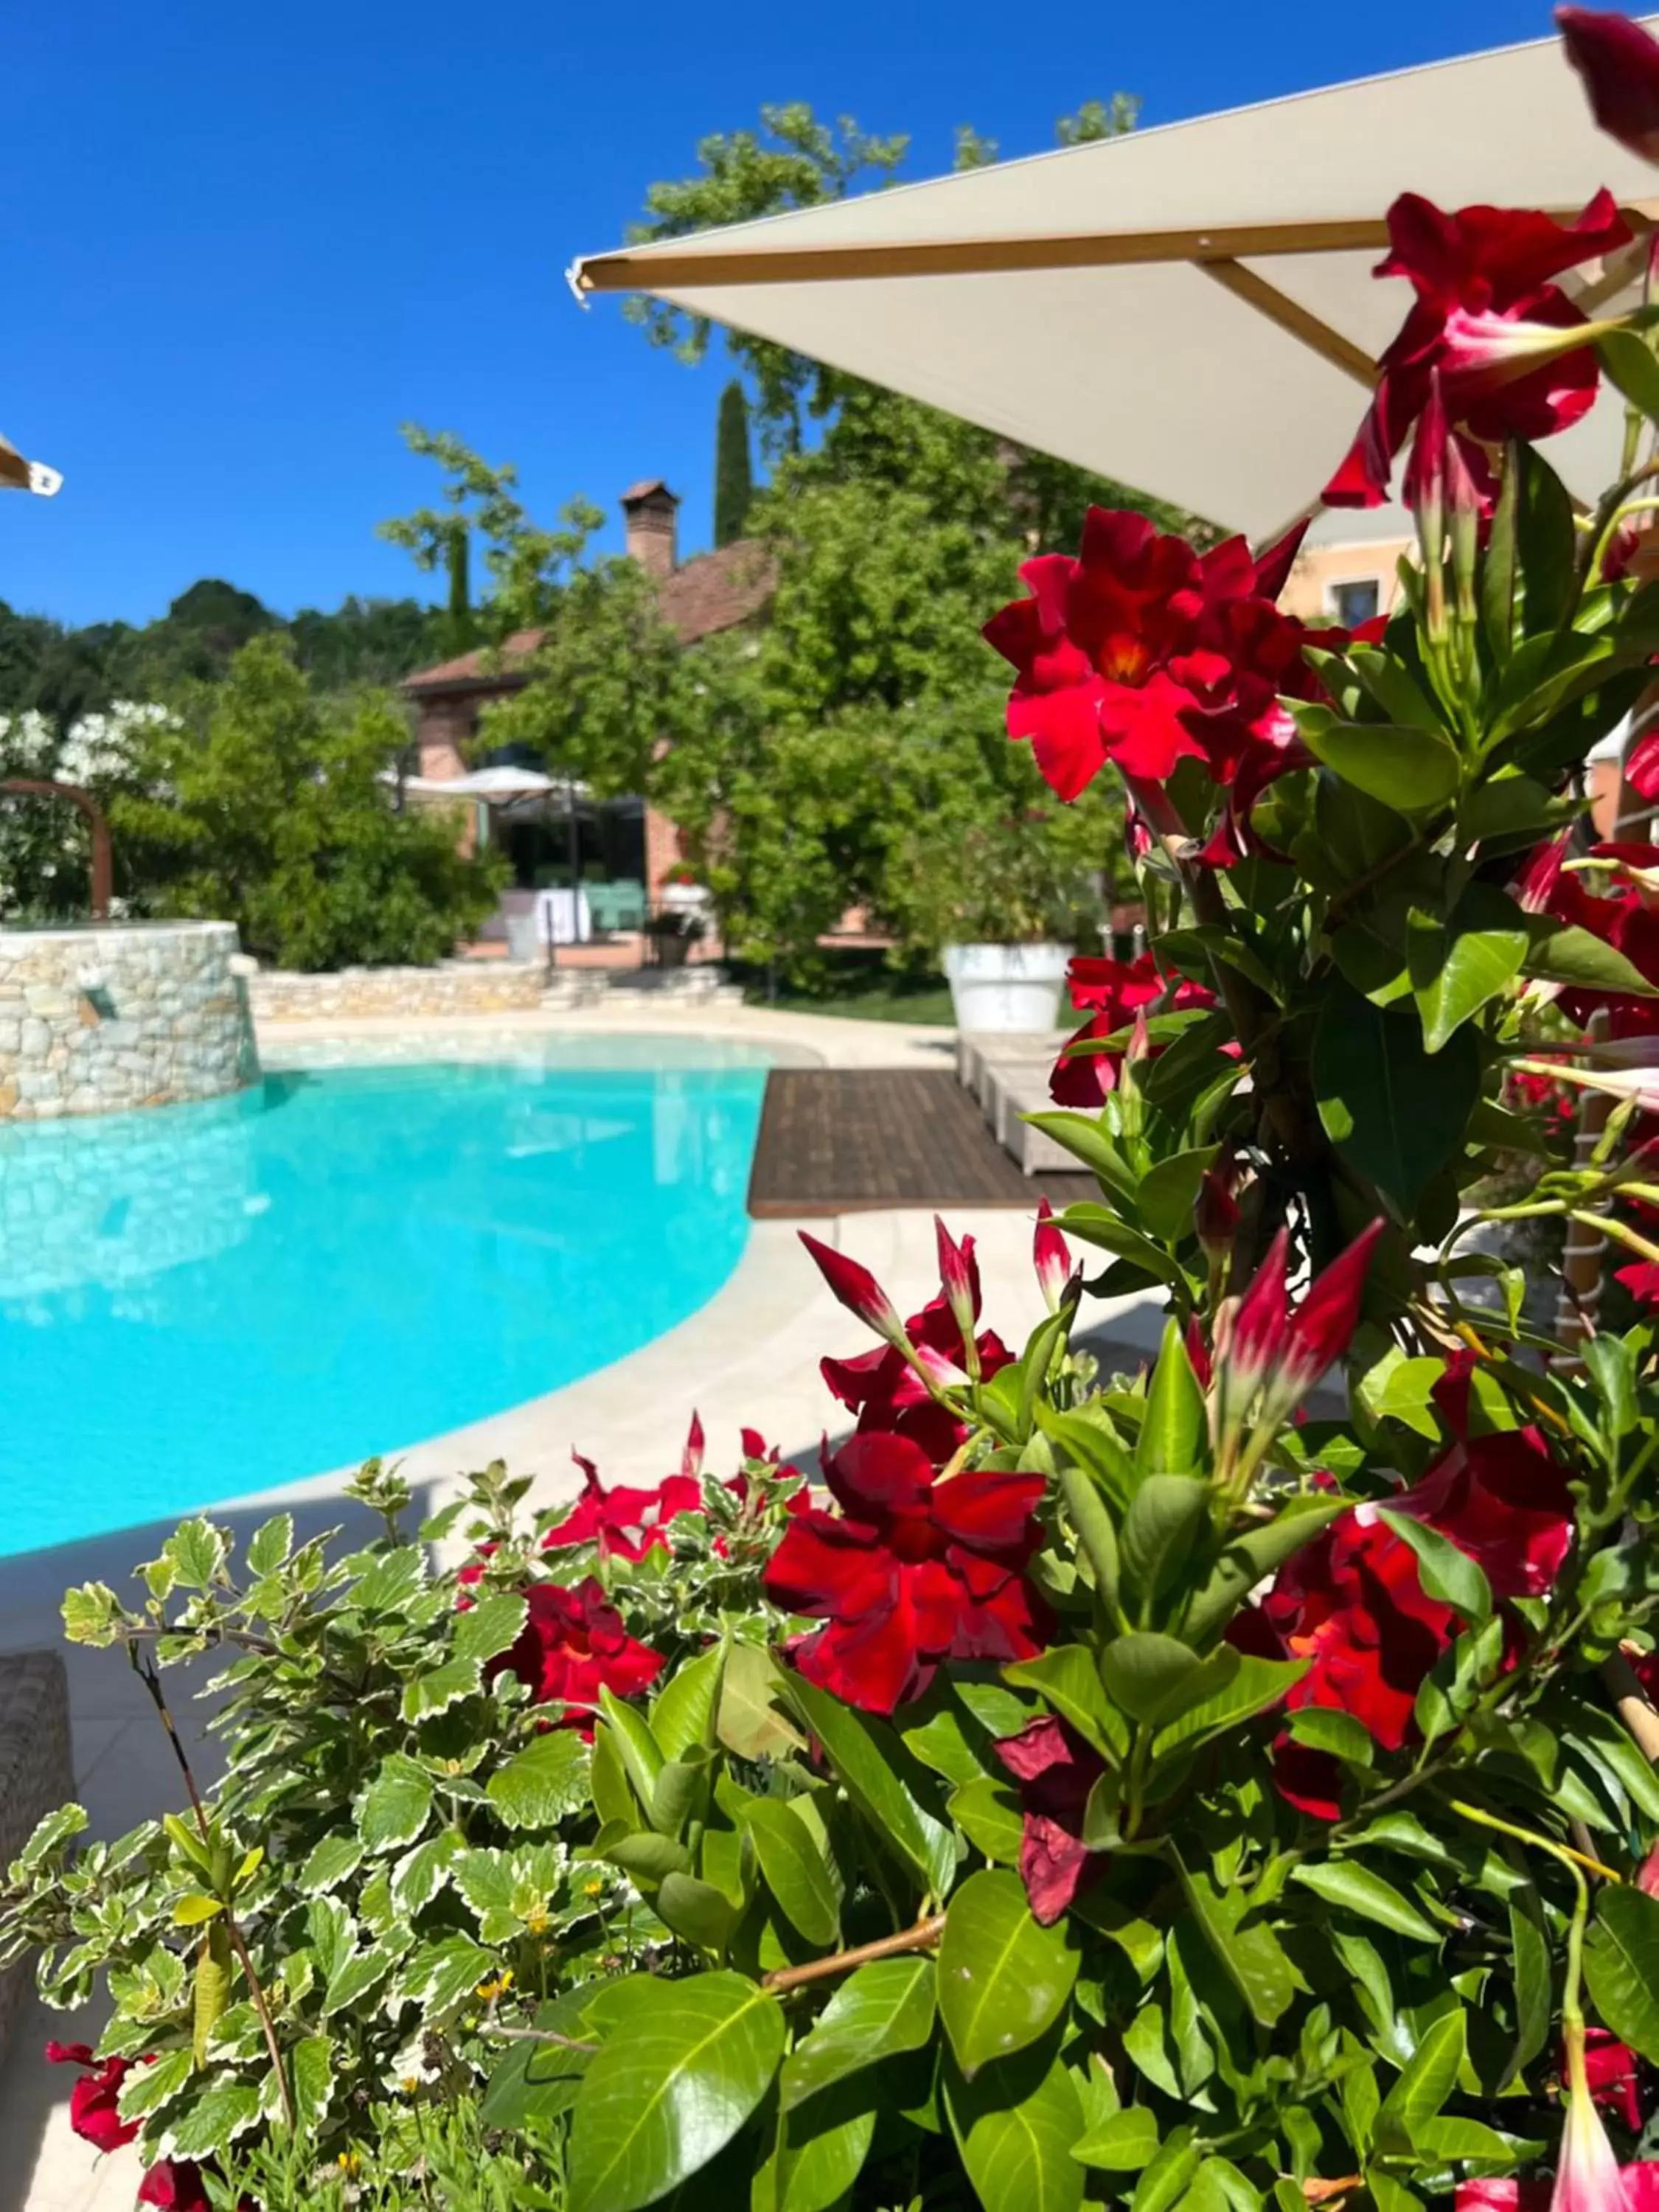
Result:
[{"x": 850, "y": 1140}]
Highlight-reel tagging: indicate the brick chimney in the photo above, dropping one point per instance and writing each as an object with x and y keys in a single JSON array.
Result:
[{"x": 650, "y": 509}]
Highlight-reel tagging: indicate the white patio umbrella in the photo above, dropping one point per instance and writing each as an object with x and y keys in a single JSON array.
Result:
[{"x": 1188, "y": 309}]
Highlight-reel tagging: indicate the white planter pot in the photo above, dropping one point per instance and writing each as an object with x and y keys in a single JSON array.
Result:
[{"x": 1010, "y": 988}]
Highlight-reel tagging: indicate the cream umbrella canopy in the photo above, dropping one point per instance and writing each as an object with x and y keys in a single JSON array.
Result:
[{"x": 1188, "y": 309}]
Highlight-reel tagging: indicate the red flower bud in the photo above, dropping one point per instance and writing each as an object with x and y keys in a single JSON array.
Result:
[
  {"x": 691, "y": 1457},
  {"x": 857, "y": 1289},
  {"x": 1618, "y": 62},
  {"x": 1052, "y": 1257},
  {"x": 1215, "y": 1215},
  {"x": 957, "y": 1277}
]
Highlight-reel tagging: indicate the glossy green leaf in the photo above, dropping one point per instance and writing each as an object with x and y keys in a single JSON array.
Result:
[
  {"x": 1397, "y": 1113},
  {"x": 1355, "y": 1889},
  {"x": 1629, "y": 363},
  {"x": 795, "y": 1869},
  {"x": 539, "y": 2081},
  {"x": 1248, "y": 1560},
  {"x": 1534, "y": 1992},
  {"x": 682, "y": 1714},
  {"x": 1254, "y": 1958},
  {"x": 696, "y": 1911},
  {"x": 1411, "y": 769},
  {"x": 1169, "y": 1189},
  {"x": 1083, "y": 1137},
  {"x": 1575, "y": 956},
  {"x": 1423, "y": 2085},
  {"x": 884, "y": 2010},
  {"x": 817, "y": 2150},
  {"x": 1499, "y": 570},
  {"x": 671, "y": 2088},
  {"x": 1143, "y": 1672},
  {"x": 1162, "y": 1526},
  {"x": 1446, "y": 1572},
  {"x": 1621, "y": 1966},
  {"x": 1546, "y": 539},
  {"x": 1456, "y": 966},
  {"x": 1322, "y": 1727},
  {"x": 1234, "y": 1689},
  {"x": 753, "y": 1720},
  {"x": 1066, "y": 1677},
  {"x": 1092, "y": 1446},
  {"x": 988, "y": 1813},
  {"x": 640, "y": 1754},
  {"x": 1003, "y": 1979},
  {"x": 1015, "y": 2124},
  {"x": 492, "y": 1626},
  {"x": 853, "y": 1749},
  {"x": 1122, "y": 2144}
]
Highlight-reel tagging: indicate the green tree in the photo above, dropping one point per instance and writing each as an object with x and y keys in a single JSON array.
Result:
[
  {"x": 269, "y": 808},
  {"x": 734, "y": 486},
  {"x": 477, "y": 499}
]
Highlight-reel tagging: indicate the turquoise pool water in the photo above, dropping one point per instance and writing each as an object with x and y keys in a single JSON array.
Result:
[{"x": 205, "y": 1300}]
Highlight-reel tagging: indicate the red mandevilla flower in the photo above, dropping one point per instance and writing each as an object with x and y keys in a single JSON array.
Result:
[
  {"x": 175, "y": 2184},
  {"x": 1618, "y": 62},
  {"x": 572, "y": 1646},
  {"x": 1055, "y": 1770},
  {"x": 912, "y": 1570},
  {"x": 624, "y": 1523},
  {"x": 1480, "y": 262},
  {"x": 1588, "y": 2175},
  {"x": 1111, "y": 992},
  {"x": 95, "y": 2113},
  {"x": 884, "y": 1389}
]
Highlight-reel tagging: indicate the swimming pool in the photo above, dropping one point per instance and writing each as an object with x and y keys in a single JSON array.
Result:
[{"x": 203, "y": 1301}]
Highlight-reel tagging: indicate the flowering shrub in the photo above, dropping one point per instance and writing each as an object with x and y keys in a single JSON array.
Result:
[{"x": 1227, "y": 1786}]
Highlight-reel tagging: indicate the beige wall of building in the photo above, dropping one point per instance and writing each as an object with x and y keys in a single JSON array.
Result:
[{"x": 1344, "y": 583}]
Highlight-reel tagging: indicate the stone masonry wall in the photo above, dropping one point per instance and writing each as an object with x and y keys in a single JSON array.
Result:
[
  {"x": 98, "y": 1021},
  {"x": 456, "y": 987}
]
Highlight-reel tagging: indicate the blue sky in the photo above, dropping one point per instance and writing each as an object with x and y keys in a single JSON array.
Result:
[{"x": 244, "y": 244}]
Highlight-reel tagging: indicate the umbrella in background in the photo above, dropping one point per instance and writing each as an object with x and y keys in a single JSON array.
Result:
[
  {"x": 1188, "y": 309},
  {"x": 18, "y": 475}
]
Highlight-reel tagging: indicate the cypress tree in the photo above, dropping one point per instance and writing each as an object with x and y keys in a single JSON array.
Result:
[
  {"x": 734, "y": 487},
  {"x": 459, "y": 618}
]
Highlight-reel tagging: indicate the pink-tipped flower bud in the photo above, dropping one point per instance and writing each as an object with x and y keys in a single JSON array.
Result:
[
  {"x": 1140, "y": 1039},
  {"x": 1215, "y": 1214},
  {"x": 857, "y": 1289},
  {"x": 1618, "y": 62},
  {"x": 1052, "y": 1257},
  {"x": 1425, "y": 486},
  {"x": 691, "y": 1457},
  {"x": 1587, "y": 2173},
  {"x": 1322, "y": 1327},
  {"x": 958, "y": 1279},
  {"x": 1647, "y": 1874}
]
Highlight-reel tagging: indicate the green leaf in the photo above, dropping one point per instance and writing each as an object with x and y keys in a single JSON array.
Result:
[
  {"x": 1168, "y": 1190},
  {"x": 1066, "y": 1679},
  {"x": 191, "y": 1909},
  {"x": 270, "y": 1544},
  {"x": 1143, "y": 1672},
  {"x": 226, "y": 2109},
  {"x": 1357, "y": 1889},
  {"x": 1499, "y": 570},
  {"x": 1003, "y": 1978},
  {"x": 1148, "y": 2049},
  {"x": 671, "y": 2088},
  {"x": 1396, "y": 1113},
  {"x": 795, "y": 1869},
  {"x": 1445, "y": 1572},
  {"x": 1236, "y": 1692},
  {"x": 696, "y": 1911},
  {"x": 882, "y": 2010},
  {"x": 56, "y": 1827},
  {"x": 1402, "y": 1389},
  {"x": 1172, "y": 1433},
  {"x": 819, "y": 2150},
  {"x": 427, "y": 1695},
  {"x": 491, "y": 1626},
  {"x": 750, "y": 1722},
  {"x": 853, "y": 1750},
  {"x": 543, "y": 1783},
  {"x": 1085, "y": 1139},
  {"x": 1411, "y": 769},
  {"x": 1093, "y": 1446},
  {"x": 1632, "y": 367},
  {"x": 640, "y": 1754},
  {"x": 146, "y": 2088},
  {"x": 537, "y": 2081},
  {"x": 682, "y": 1714},
  {"x": 1254, "y": 1958},
  {"x": 355, "y": 1976},
  {"x": 1250, "y": 1558},
  {"x": 196, "y": 1550},
  {"x": 988, "y": 1813},
  {"x": 391, "y": 1579},
  {"x": 1321, "y": 1728},
  {"x": 1621, "y": 1965},
  {"x": 311, "y": 2078},
  {"x": 1122, "y": 2144},
  {"x": 1534, "y": 1990},
  {"x": 1456, "y": 967},
  {"x": 396, "y": 1804},
  {"x": 1424, "y": 2085},
  {"x": 1161, "y": 1528},
  {"x": 1546, "y": 539},
  {"x": 1575, "y": 956},
  {"x": 421, "y": 1873},
  {"x": 1015, "y": 2124}
]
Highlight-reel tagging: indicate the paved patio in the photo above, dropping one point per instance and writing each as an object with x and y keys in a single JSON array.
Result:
[{"x": 749, "y": 1357}]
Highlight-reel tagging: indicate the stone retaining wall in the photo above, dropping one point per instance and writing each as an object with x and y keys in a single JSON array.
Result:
[
  {"x": 101, "y": 1020},
  {"x": 457, "y": 986}
]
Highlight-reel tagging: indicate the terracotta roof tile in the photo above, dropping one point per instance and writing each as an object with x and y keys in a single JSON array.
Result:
[
  {"x": 714, "y": 591},
  {"x": 644, "y": 489}
]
